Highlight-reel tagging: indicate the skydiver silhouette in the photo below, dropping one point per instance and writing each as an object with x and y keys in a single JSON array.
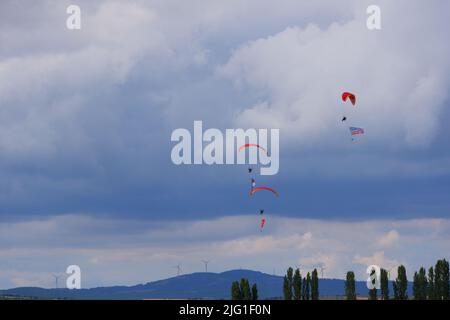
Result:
[
  {"x": 250, "y": 170},
  {"x": 344, "y": 118},
  {"x": 261, "y": 211}
]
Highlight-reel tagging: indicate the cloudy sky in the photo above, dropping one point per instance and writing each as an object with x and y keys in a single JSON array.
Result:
[{"x": 86, "y": 118}]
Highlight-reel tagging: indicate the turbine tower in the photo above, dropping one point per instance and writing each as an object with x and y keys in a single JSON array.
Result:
[
  {"x": 321, "y": 270},
  {"x": 206, "y": 264},
  {"x": 178, "y": 267},
  {"x": 56, "y": 280}
]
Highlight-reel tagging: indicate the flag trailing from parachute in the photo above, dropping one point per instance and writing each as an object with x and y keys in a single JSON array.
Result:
[{"x": 355, "y": 131}]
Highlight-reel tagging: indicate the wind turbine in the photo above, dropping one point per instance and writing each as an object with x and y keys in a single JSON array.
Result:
[
  {"x": 178, "y": 267},
  {"x": 206, "y": 264},
  {"x": 321, "y": 266},
  {"x": 321, "y": 270},
  {"x": 56, "y": 280}
]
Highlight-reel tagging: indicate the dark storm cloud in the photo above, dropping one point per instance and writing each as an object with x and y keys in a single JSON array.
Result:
[{"x": 86, "y": 117}]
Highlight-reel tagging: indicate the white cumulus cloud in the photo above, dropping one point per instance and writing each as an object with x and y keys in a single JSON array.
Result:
[{"x": 299, "y": 74}]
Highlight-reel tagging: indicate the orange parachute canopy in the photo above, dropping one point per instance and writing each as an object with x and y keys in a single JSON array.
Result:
[
  {"x": 348, "y": 95},
  {"x": 248, "y": 145},
  {"x": 263, "y": 188}
]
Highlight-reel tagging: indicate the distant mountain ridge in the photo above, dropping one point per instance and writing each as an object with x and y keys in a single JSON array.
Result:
[{"x": 199, "y": 285}]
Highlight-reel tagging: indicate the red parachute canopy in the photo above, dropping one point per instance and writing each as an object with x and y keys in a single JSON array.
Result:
[
  {"x": 263, "y": 188},
  {"x": 348, "y": 95},
  {"x": 251, "y": 145}
]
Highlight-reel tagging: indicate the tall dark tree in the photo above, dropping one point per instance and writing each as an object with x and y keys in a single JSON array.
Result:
[
  {"x": 287, "y": 291},
  {"x": 373, "y": 294},
  {"x": 314, "y": 285},
  {"x": 431, "y": 284},
  {"x": 350, "y": 292},
  {"x": 420, "y": 284},
  {"x": 304, "y": 288},
  {"x": 441, "y": 280},
  {"x": 245, "y": 289},
  {"x": 297, "y": 285},
  {"x": 290, "y": 277},
  {"x": 446, "y": 280},
  {"x": 423, "y": 283},
  {"x": 288, "y": 284},
  {"x": 235, "y": 291},
  {"x": 401, "y": 284},
  {"x": 307, "y": 286},
  {"x": 438, "y": 280},
  {"x": 384, "y": 284},
  {"x": 416, "y": 286},
  {"x": 254, "y": 292},
  {"x": 395, "y": 287}
]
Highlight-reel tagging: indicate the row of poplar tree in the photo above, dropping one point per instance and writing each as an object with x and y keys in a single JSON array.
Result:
[
  {"x": 434, "y": 286},
  {"x": 241, "y": 290},
  {"x": 296, "y": 288}
]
